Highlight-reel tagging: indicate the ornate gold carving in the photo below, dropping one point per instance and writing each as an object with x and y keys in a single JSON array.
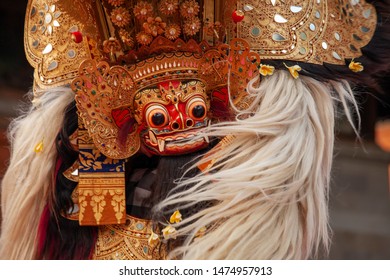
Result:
[
  {"x": 101, "y": 189},
  {"x": 128, "y": 242},
  {"x": 100, "y": 89},
  {"x": 48, "y": 39},
  {"x": 234, "y": 65},
  {"x": 170, "y": 66},
  {"x": 314, "y": 31}
]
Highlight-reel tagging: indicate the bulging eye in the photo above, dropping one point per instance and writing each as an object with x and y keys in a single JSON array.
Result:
[
  {"x": 196, "y": 108},
  {"x": 156, "y": 116}
]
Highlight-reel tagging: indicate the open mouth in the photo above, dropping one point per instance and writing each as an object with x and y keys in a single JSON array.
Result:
[{"x": 180, "y": 142}]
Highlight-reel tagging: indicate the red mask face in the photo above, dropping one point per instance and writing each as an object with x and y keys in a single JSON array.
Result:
[{"x": 170, "y": 115}]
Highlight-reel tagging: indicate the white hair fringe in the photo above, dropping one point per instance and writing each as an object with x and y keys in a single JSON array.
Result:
[
  {"x": 270, "y": 186},
  {"x": 29, "y": 178}
]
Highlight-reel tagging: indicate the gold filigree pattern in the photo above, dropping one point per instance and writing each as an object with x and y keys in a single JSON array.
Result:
[
  {"x": 232, "y": 64},
  {"x": 100, "y": 193},
  {"x": 192, "y": 26},
  {"x": 189, "y": 9},
  {"x": 99, "y": 90},
  {"x": 168, "y": 7},
  {"x": 172, "y": 32},
  {"x": 48, "y": 39},
  {"x": 178, "y": 66},
  {"x": 142, "y": 10},
  {"x": 129, "y": 242},
  {"x": 120, "y": 17},
  {"x": 314, "y": 31}
]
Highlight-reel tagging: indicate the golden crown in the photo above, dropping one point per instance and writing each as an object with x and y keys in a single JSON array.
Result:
[{"x": 60, "y": 34}]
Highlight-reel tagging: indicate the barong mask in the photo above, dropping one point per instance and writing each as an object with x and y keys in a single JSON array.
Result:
[{"x": 147, "y": 75}]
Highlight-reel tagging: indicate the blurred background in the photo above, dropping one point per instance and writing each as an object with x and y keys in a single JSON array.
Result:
[{"x": 359, "y": 202}]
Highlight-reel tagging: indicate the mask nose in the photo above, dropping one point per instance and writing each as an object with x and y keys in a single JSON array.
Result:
[{"x": 177, "y": 122}]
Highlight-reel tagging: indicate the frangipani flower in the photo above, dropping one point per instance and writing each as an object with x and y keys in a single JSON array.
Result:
[
  {"x": 294, "y": 70},
  {"x": 266, "y": 70},
  {"x": 356, "y": 66},
  {"x": 169, "y": 232},
  {"x": 154, "y": 239},
  {"x": 176, "y": 217}
]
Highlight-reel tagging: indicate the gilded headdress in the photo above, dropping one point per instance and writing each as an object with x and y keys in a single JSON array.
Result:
[
  {"x": 148, "y": 73},
  {"x": 61, "y": 34},
  {"x": 147, "y": 42}
]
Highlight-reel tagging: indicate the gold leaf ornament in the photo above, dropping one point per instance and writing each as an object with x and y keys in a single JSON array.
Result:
[{"x": 120, "y": 16}]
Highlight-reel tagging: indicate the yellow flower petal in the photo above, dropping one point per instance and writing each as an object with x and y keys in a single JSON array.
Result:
[
  {"x": 169, "y": 232},
  {"x": 266, "y": 70},
  {"x": 294, "y": 70},
  {"x": 176, "y": 217},
  {"x": 201, "y": 232},
  {"x": 154, "y": 239},
  {"x": 39, "y": 147},
  {"x": 356, "y": 66}
]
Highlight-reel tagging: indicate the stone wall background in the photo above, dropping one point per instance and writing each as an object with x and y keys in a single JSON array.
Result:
[{"x": 360, "y": 203}]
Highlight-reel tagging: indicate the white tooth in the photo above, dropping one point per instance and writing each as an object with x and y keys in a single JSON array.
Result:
[
  {"x": 206, "y": 138},
  {"x": 152, "y": 137},
  {"x": 161, "y": 145},
  {"x": 75, "y": 173}
]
